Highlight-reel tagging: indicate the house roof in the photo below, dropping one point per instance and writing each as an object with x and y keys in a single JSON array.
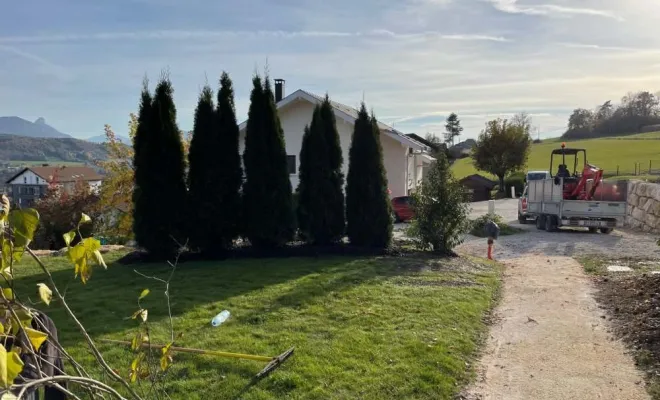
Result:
[
  {"x": 434, "y": 146},
  {"x": 63, "y": 173},
  {"x": 347, "y": 113},
  {"x": 481, "y": 180}
]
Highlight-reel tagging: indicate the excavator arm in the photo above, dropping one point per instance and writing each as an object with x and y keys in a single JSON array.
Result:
[{"x": 581, "y": 192}]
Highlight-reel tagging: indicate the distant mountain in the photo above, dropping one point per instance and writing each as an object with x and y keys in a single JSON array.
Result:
[
  {"x": 37, "y": 129},
  {"x": 102, "y": 139},
  {"x": 21, "y": 148}
]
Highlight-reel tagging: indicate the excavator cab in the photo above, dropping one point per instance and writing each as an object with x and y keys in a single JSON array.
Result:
[{"x": 580, "y": 179}]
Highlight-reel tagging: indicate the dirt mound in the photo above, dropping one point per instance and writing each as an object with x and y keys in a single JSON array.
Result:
[{"x": 634, "y": 305}]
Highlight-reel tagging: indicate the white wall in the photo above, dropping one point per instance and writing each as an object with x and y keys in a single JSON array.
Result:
[
  {"x": 296, "y": 115},
  {"x": 28, "y": 178}
]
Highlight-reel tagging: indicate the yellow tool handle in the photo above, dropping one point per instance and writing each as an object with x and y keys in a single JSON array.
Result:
[{"x": 198, "y": 351}]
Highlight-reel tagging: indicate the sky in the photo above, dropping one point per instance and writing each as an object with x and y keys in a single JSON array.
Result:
[{"x": 80, "y": 63}]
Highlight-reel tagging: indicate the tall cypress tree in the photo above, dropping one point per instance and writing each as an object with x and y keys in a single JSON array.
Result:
[
  {"x": 267, "y": 193},
  {"x": 164, "y": 186},
  {"x": 203, "y": 189},
  {"x": 367, "y": 203},
  {"x": 141, "y": 201},
  {"x": 321, "y": 199},
  {"x": 229, "y": 172}
]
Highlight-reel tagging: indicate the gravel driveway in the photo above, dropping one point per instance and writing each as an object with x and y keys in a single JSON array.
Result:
[
  {"x": 550, "y": 340},
  {"x": 566, "y": 242}
]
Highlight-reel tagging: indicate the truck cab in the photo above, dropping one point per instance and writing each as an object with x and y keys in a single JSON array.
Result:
[{"x": 522, "y": 201}]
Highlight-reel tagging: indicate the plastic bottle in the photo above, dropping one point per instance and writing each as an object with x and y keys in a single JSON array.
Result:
[{"x": 220, "y": 318}]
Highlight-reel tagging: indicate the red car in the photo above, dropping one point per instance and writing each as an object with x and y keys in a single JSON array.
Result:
[{"x": 401, "y": 209}]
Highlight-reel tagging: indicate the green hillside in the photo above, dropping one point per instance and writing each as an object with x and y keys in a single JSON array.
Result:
[{"x": 607, "y": 153}]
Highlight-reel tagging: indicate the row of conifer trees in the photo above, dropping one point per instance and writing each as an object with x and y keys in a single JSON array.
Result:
[{"x": 212, "y": 198}]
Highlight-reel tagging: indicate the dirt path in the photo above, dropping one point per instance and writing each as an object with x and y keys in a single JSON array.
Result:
[{"x": 550, "y": 340}]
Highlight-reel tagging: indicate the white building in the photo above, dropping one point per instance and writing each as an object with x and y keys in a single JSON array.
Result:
[
  {"x": 31, "y": 183},
  {"x": 404, "y": 158}
]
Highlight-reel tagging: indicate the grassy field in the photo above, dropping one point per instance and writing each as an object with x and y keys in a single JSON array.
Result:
[
  {"x": 370, "y": 328},
  {"x": 622, "y": 152}
]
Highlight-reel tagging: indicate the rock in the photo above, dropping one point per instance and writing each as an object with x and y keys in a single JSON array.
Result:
[
  {"x": 648, "y": 206},
  {"x": 639, "y": 214},
  {"x": 618, "y": 268}
]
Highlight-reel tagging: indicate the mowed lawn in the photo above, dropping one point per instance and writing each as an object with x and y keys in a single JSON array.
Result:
[
  {"x": 368, "y": 328},
  {"x": 608, "y": 153}
]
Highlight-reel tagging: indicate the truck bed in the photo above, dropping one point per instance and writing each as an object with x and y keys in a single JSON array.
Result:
[{"x": 608, "y": 209}]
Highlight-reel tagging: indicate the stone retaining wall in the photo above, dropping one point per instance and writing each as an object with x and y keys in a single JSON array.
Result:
[{"x": 643, "y": 206}]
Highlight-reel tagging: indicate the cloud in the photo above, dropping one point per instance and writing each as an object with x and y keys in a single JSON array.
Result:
[
  {"x": 210, "y": 35},
  {"x": 48, "y": 67},
  {"x": 512, "y": 7}
]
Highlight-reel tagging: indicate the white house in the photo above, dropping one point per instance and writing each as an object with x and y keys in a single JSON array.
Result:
[
  {"x": 404, "y": 158},
  {"x": 31, "y": 183}
]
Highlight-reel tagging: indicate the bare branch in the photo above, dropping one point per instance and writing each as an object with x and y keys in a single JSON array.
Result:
[{"x": 90, "y": 342}]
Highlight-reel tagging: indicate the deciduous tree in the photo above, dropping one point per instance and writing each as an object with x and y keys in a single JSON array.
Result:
[{"x": 502, "y": 148}]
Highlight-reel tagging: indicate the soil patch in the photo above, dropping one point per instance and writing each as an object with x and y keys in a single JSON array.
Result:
[{"x": 633, "y": 303}]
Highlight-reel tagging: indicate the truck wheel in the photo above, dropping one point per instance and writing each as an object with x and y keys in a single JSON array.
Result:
[
  {"x": 593, "y": 230},
  {"x": 550, "y": 223},
  {"x": 606, "y": 231},
  {"x": 522, "y": 219},
  {"x": 540, "y": 222}
]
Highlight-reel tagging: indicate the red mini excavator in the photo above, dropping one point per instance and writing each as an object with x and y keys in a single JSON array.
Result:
[{"x": 586, "y": 185}]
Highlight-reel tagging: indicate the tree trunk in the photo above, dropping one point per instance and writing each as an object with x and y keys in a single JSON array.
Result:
[{"x": 502, "y": 188}]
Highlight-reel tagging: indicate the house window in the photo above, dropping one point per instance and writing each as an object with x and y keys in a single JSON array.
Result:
[
  {"x": 25, "y": 179},
  {"x": 291, "y": 161},
  {"x": 37, "y": 180}
]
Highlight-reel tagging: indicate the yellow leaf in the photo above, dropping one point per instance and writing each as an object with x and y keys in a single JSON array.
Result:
[
  {"x": 166, "y": 358},
  {"x": 2, "y": 329},
  {"x": 68, "y": 237},
  {"x": 144, "y": 315},
  {"x": 84, "y": 218},
  {"x": 8, "y": 396},
  {"x": 25, "y": 320},
  {"x": 99, "y": 259},
  {"x": 5, "y": 247},
  {"x": 45, "y": 293},
  {"x": 36, "y": 338},
  {"x": 7, "y": 293},
  {"x": 166, "y": 348},
  {"x": 10, "y": 366},
  {"x": 144, "y": 294},
  {"x": 24, "y": 222},
  {"x": 135, "y": 367},
  {"x": 136, "y": 341}
]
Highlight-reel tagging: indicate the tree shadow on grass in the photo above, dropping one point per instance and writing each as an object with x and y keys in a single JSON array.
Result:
[{"x": 104, "y": 305}]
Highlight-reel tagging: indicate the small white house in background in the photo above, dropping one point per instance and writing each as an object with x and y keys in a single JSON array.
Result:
[
  {"x": 404, "y": 158},
  {"x": 31, "y": 183}
]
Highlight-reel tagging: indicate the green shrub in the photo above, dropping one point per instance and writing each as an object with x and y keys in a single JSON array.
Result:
[
  {"x": 477, "y": 226},
  {"x": 517, "y": 180},
  {"x": 441, "y": 214}
]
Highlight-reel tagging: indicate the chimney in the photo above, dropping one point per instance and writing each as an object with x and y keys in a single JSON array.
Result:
[{"x": 279, "y": 90}]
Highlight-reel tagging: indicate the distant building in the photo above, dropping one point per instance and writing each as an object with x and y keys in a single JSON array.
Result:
[
  {"x": 478, "y": 187},
  {"x": 31, "y": 183}
]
